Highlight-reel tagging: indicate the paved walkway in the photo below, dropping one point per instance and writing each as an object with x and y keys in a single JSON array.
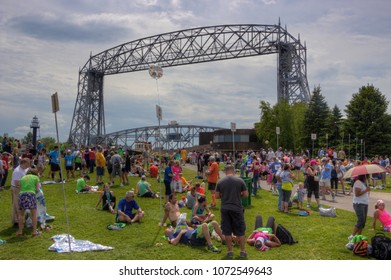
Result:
[{"x": 341, "y": 201}]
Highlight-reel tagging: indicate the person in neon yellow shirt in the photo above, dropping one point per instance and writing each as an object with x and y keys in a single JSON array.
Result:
[{"x": 29, "y": 186}]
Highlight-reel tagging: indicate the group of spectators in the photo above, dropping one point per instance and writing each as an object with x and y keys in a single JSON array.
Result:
[{"x": 318, "y": 177}]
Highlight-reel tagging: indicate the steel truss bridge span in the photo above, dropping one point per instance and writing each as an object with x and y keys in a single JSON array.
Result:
[
  {"x": 190, "y": 46},
  {"x": 169, "y": 136}
]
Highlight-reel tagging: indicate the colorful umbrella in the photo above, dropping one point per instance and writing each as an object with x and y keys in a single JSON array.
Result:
[{"x": 363, "y": 170}]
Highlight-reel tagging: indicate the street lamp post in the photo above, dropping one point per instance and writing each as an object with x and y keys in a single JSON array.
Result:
[
  {"x": 233, "y": 129},
  {"x": 278, "y": 133}
]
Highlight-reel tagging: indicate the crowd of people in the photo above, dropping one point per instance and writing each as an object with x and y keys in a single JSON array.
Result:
[{"x": 319, "y": 176}]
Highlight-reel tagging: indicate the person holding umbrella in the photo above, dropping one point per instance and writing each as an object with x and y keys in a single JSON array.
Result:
[
  {"x": 361, "y": 192},
  {"x": 360, "y": 203}
]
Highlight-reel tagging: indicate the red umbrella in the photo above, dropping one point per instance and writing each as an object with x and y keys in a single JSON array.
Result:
[{"x": 363, "y": 170}]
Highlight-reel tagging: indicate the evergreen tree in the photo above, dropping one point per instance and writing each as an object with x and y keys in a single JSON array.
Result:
[
  {"x": 334, "y": 128},
  {"x": 315, "y": 119},
  {"x": 368, "y": 122}
]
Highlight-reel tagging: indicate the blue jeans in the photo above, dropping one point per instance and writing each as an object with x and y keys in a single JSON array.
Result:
[
  {"x": 255, "y": 183},
  {"x": 279, "y": 189}
]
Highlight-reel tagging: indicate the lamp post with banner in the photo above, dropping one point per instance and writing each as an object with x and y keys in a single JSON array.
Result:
[
  {"x": 313, "y": 138},
  {"x": 278, "y": 133},
  {"x": 233, "y": 129}
]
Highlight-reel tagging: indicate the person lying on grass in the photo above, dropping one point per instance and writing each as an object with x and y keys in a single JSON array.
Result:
[
  {"x": 262, "y": 240},
  {"x": 107, "y": 198},
  {"x": 125, "y": 210},
  {"x": 195, "y": 237}
]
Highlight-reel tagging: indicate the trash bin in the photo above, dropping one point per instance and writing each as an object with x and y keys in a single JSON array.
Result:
[{"x": 246, "y": 201}]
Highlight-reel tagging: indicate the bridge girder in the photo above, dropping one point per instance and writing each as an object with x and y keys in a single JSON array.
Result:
[
  {"x": 169, "y": 136},
  {"x": 183, "y": 47}
]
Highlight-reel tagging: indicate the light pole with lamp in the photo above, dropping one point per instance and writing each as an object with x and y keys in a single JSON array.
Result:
[
  {"x": 278, "y": 133},
  {"x": 313, "y": 138}
]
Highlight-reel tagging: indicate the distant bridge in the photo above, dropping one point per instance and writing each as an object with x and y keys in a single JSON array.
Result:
[{"x": 166, "y": 137}]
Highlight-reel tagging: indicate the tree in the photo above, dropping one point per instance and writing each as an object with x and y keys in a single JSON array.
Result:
[
  {"x": 289, "y": 118},
  {"x": 368, "y": 123},
  {"x": 298, "y": 112},
  {"x": 265, "y": 126},
  {"x": 315, "y": 118},
  {"x": 334, "y": 127},
  {"x": 28, "y": 138},
  {"x": 48, "y": 143}
]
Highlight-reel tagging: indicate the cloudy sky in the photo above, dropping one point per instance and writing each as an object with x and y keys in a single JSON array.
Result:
[{"x": 43, "y": 43}]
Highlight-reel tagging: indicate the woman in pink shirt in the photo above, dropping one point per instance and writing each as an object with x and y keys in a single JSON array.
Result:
[{"x": 382, "y": 215}]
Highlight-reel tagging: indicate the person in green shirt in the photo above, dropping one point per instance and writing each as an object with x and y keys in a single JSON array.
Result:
[
  {"x": 29, "y": 186},
  {"x": 81, "y": 184},
  {"x": 144, "y": 188}
]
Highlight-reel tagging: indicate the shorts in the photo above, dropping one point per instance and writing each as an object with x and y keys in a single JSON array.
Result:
[
  {"x": 27, "y": 201},
  {"x": 176, "y": 186},
  {"x": 286, "y": 195},
  {"x": 211, "y": 186},
  {"x": 78, "y": 165},
  {"x": 69, "y": 168},
  {"x": 387, "y": 228},
  {"x": 130, "y": 216},
  {"x": 196, "y": 241},
  {"x": 117, "y": 171},
  {"x": 361, "y": 213},
  {"x": 105, "y": 205},
  {"x": 54, "y": 167},
  {"x": 200, "y": 234},
  {"x": 325, "y": 183},
  {"x": 100, "y": 171},
  {"x": 233, "y": 222}
]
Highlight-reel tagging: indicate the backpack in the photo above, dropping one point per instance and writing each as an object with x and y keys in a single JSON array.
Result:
[
  {"x": 284, "y": 235},
  {"x": 360, "y": 248},
  {"x": 381, "y": 247}
]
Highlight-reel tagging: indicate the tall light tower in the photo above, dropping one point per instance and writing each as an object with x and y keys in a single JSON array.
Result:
[{"x": 35, "y": 126}]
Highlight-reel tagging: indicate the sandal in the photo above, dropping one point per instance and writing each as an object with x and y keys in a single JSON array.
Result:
[{"x": 36, "y": 233}]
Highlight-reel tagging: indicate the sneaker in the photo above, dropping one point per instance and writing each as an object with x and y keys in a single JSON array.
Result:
[
  {"x": 243, "y": 254},
  {"x": 350, "y": 237},
  {"x": 230, "y": 255},
  {"x": 121, "y": 185},
  {"x": 214, "y": 249}
]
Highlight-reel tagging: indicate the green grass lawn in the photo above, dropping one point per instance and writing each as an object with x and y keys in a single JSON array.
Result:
[{"x": 319, "y": 238}]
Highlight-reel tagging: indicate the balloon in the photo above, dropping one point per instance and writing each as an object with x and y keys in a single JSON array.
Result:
[{"x": 155, "y": 71}]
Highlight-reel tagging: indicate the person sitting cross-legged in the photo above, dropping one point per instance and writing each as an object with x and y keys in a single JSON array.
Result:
[
  {"x": 201, "y": 212},
  {"x": 81, "y": 184},
  {"x": 144, "y": 188},
  {"x": 107, "y": 198},
  {"x": 125, "y": 210},
  {"x": 195, "y": 237}
]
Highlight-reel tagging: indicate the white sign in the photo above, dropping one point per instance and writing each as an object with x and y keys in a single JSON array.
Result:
[
  {"x": 313, "y": 136},
  {"x": 233, "y": 126},
  {"x": 278, "y": 130}
]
